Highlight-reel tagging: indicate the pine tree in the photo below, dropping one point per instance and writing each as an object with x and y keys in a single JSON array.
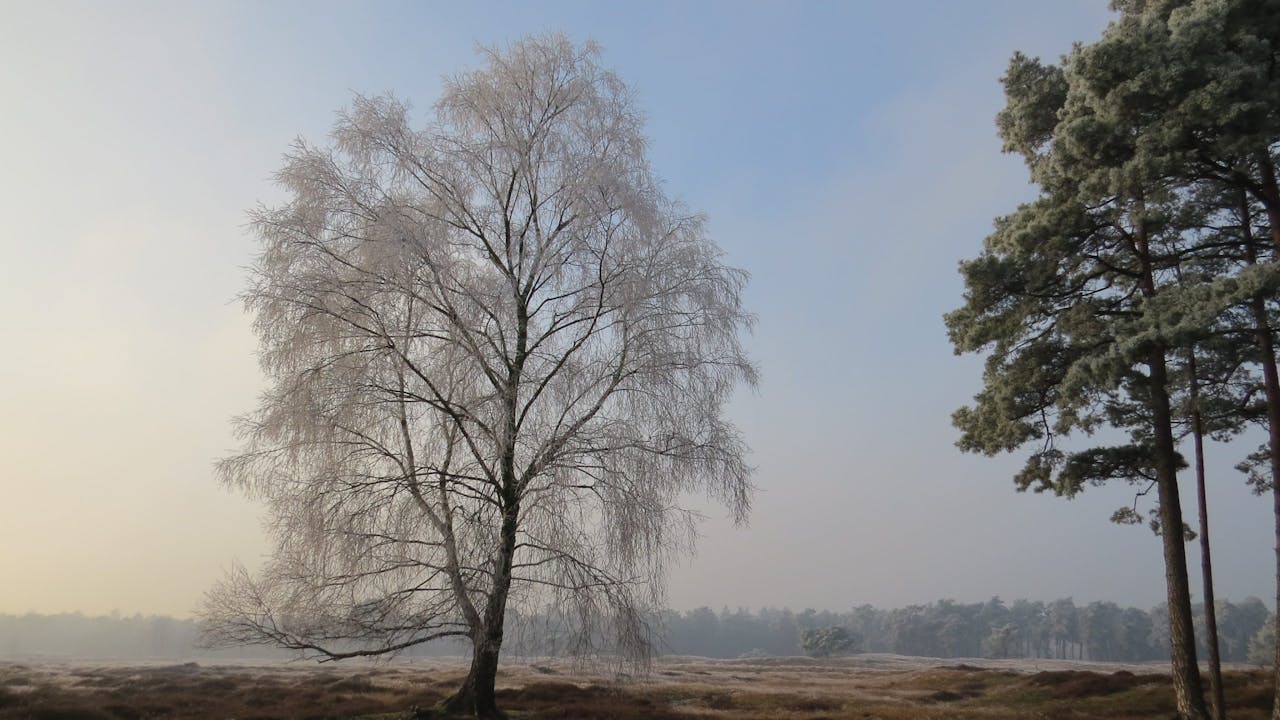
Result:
[{"x": 1065, "y": 297}]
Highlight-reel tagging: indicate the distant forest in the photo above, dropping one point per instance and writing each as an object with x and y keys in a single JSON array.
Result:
[
  {"x": 992, "y": 629},
  {"x": 946, "y": 629}
]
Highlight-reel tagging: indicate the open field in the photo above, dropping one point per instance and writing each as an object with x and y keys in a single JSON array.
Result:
[{"x": 864, "y": 687}]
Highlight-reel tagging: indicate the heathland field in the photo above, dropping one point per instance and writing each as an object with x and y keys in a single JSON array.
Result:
[{"x": 887, "y": 687}]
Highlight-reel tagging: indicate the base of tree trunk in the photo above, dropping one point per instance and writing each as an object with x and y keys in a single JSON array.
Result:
[
  {"x": 448, "y": 710},
  {"x": 462, "y": 704}
]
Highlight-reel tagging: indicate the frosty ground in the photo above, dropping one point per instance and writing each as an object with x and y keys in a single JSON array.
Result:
[{"x": 865, "y": 687}]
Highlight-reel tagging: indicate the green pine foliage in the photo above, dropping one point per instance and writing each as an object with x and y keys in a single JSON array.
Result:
[{"x": 1138, "y": 291}]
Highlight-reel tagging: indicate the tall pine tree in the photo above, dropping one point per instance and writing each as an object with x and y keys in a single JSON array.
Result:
[{"x": 1064, "y": 298}]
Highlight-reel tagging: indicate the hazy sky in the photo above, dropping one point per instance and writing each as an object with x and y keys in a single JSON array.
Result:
[{"x": 846, "y": 155}]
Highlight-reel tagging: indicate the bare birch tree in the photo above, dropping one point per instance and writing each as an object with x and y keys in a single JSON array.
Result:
[{"x": 498, "y": 356}]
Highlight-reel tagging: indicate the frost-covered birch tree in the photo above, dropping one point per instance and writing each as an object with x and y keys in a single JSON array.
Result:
[{"x": 498, "y": 357}]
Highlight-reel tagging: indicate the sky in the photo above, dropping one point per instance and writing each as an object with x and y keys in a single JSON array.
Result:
[{"x": 845, "y": 154}]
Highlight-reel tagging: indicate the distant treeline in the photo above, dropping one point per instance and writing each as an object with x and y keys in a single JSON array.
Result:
[
  {"x": 73, "y": 635},
  {"x": 994, "y": 629},
  {"x": 131, "y": 637}
]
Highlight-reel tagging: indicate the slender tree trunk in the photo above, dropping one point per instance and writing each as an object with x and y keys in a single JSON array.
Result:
[
  {"x": 1206, "y": 562},
  {"x": 1273, "y": 402},
  {"x": 1270, "y": 197},
  {"x": 1187, "y": 690},
  {"x": 1271, "y": 382}
]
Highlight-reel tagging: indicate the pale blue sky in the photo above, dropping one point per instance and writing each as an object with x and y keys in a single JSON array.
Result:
[{"x": 845, "y": 153}]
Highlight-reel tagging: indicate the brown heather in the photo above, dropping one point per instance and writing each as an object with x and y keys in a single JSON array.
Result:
[{"x": 867, "y": 688}]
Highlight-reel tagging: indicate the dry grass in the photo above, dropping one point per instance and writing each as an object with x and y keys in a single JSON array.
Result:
[{"x": 866, "y": 688}]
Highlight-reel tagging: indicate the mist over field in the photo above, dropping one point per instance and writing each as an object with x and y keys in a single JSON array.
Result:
[{"x": 1020, "y": 629}]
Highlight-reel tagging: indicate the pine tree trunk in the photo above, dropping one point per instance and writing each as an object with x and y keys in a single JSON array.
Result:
[
  {"x": 1271, "y": 382},
  {"x": 1273, "y": 413},
  {"x": 1187, "y": 690},
  {"x": 1206, "y": 562}
]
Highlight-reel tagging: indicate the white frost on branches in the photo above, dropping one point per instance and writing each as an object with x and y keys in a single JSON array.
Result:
[{"x": 498, "y": 355}]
